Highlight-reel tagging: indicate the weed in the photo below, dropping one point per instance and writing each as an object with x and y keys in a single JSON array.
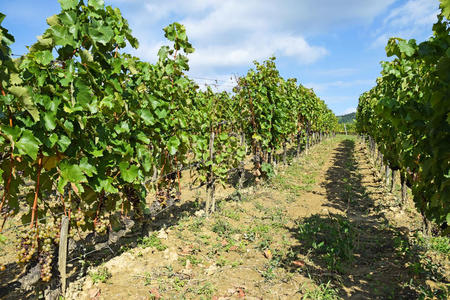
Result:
[
  {"x": 192, "y": 258},
  {"x": 331, "y": 238},
  {"x": 439, "y": 244},
  {"x": 101, "y": 275},
  {"x": 259, "y": 206},
  {"x": 260, "y": 228},
  {"x": 269, "y": 268},
  {"x": 402, "y": 246},
  {"x": 308, "y": 179},
  {"x": 234, "y": 264},
  {"x": 267, "y": 170},
  {"x": 441, "y": 292},
  {"x": 233, "y": 214},
  {"x": 147, "y": 278},
  {"x": 221, "y": 262},
  {"x": 152, "y": 241},
  {"x": 196, "y": 225},
  {"x": 322, "y": 292},
  {"x": 222, "y": 227},
  {"x": 178, "y": 283},
  {"x": 206, "y": 289},
  {"x": 265, "y": 242}
]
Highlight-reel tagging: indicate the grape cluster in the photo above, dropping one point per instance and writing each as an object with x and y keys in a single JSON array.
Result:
[
  {"x": 28, "y": 245},
  {"x": 49, "y": 237},
  {"x": 101, "y": 224},
  {"x": 42, "y": 240},
  {"x": 46, "y": 258},
  {"x": 79, "y": 217}
]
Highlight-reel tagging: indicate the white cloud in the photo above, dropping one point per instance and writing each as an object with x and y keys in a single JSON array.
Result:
[
  {"x": 256, "y": 49},
  {"x": 232, "y": 33},
  {"x": 324, "y": 86},
  {"x": 413, "y": 19}
]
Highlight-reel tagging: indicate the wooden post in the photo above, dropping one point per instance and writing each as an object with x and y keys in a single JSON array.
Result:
[
  {"x": 241, "y": 168},
  {"x": 307, "y": 143},
  {"x": 404, "y": 194},
  {"x": 392, "y": 180},
  {"x": 381, "y": 163},
  {"x": 298, "y": 144},
  {"x": 386, "y": 174},
  {"x": 62, "y": 254},
  {"x": 284, "y": 152},
  {"x": 210, "y": 205}
]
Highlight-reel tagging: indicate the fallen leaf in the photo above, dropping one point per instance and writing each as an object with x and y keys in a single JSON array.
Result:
[
  {"x": 268, "y": 254},
  {"x": 224, "y": 242},
  {"x": 94, "y": 293},
  {"x": 298, "y": 263},
  {"x": 241, "y": 293},
  {"x": 155, "y": 293},
  {"x": 233, "y": 248},
  {"x": 186, "y": 250}
]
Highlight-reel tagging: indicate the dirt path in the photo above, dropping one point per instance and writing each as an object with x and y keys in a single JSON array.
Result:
[{"x": 324, "y": 227}]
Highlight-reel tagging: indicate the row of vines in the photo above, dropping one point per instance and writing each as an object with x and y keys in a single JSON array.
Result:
[
  {"x": 407, "y": 116},
  {"x": 89, "y": 131}
]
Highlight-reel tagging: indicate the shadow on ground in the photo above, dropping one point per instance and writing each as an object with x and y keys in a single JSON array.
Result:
[{"x": 357, "y": 250}]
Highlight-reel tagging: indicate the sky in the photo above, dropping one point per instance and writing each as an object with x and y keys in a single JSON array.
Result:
[{"x": 332, "y": 46}]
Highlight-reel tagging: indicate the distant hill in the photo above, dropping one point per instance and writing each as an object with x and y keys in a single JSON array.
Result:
[{"x": 348, "y": 118}]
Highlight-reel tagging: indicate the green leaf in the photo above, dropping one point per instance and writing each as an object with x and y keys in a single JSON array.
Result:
[
  {"x": 162, "y": 114},
  {"x": 127, "y": 172},
  {"x": 68, "y": 4},
  {"x": 82, "y": 92},
  {"x": 2, "y": 239},
  {"x": 62, "y": 36},
  {"x": 72, "y": 173},
  {"x": 101, "y": 34},
  {"x": 406, "y": 47},
  {"x": 53, "y": 138},
  {"x": 97, "y": 4},
  {"x": 28, "y": 144},
  {"x": 445, "y": 5},
  {"x": 43, "y": 57},
  {"x": 173, "y": 145},
  {"x": 42, "y": 44},
  {"x": 24, "y": 95},
  {"x": 147, "y": 117},
  {"x": 49, "y": 121},
  {"x": 106, "y": 185},
  {"x": 13, "y": 133},
  {"x": 143, "y": 138},
  {"x": 63, "y": 143},
  {"x": 53, "y": 20}
]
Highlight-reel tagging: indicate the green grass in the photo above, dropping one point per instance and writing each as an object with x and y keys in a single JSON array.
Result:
[
  {"x": 152, "y": 241},
  {"x": 322, "y": 292},
  {"x": 101, "y": 275},
  {"x": 440, "y": 244}
]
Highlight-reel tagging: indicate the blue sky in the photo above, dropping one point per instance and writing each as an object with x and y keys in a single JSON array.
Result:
[{"x": 332, "y": 46}]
